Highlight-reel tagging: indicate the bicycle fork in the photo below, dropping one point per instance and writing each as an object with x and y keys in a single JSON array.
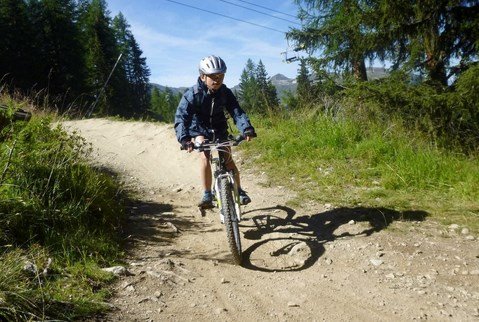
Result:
[{"x": 234, "y": 191}]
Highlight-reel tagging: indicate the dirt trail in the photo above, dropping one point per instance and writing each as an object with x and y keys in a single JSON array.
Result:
[{"x": 316, "y": 263}]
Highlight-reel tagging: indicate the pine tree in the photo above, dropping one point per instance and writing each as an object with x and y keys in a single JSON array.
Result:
[
  {"x": 248, "y": 88},
  {"x": 257, "y": 93},
  {"x": 155, "y": 102},
  {"x": 101, "y": 52},
  {"x": 419, "y": 35},
  {"x": 137, "y": 72},
  {"x": 164, "y": 103},
  {"x": 64, "y": 49},
  {"x": 122, "y": 33},
  {"x": 430, "y": 35},
  {"x": 267, "y": 92},
  {"x": 16, "y": 36},
  {"x": 59, "y": 64},
  {"x": 304, "y": 89},
  {"x": 337, "y": 29},
  {"x": 302, "y": 80},
  {"x": 141, "y": 73}
]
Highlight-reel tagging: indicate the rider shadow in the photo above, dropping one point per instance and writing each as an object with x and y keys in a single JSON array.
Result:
[{"x": 287, "y": 236}]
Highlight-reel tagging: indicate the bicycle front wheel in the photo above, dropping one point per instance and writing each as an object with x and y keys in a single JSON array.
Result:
[{"x": 230, "y": 219}]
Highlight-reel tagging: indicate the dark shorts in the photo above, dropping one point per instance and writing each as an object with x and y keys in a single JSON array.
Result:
[
  {"x": 222, "y": 136},
  {"x": 227, "y": 156}
]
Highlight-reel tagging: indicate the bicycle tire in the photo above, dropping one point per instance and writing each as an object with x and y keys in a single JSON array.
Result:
[{"x": 230, "y": 220}]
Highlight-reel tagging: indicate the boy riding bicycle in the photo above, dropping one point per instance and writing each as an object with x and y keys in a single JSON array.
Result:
[{"x": 201, "y": 112}]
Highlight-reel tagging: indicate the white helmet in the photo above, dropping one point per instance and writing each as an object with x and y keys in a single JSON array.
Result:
[{"x": 212, "y": 65}]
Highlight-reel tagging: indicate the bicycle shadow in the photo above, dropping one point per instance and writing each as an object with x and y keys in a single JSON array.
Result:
[{"x": 288, "y": 235}]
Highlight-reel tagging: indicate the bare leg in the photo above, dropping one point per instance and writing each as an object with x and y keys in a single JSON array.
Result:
[
  {"x": 205, "y": 166},
  {"x": 206, "y": 175},
  {"x": 230, "y": 165}
]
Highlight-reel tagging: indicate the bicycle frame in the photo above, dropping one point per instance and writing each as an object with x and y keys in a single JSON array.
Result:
[
  {"x": 217, "y": 152},
  {"x": 221, "y": 172}
]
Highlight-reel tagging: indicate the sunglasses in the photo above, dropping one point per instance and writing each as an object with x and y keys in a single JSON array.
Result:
[{"x": 217, "y": 77}]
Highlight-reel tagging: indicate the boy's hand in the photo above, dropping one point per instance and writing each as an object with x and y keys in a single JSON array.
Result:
[
  {"x": 248, "y": 134},
  {"x": 187, "y": 145}
]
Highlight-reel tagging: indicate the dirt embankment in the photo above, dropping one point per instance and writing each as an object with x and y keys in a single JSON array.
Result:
[{"x": 315, "y": 263}]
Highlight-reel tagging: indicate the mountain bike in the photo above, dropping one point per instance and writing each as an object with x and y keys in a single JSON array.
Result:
[{"x": 225, "y": 190}]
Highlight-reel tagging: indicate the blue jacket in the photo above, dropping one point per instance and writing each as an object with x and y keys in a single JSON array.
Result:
[{"x": 199, "y": 111}]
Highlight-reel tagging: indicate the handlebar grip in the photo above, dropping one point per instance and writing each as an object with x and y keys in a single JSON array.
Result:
[
  {"x": 239, "y": 138},
  {"x": 195, "y": 147}
]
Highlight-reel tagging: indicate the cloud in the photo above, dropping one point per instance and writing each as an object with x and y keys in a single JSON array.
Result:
[
  {"x": 156, "y": 40},
  {"x": 174, "y": 41}
]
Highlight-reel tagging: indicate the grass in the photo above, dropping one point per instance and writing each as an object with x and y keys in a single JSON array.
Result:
[
  {"x": 350, "y": 163},
  {"x": 58, "y": 216},
  {"x": 65, "y": 292},
  {"x": 65, "y": 217}
]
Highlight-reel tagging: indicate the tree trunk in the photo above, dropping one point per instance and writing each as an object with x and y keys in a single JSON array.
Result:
[
  {"x": 359, "y": 70},
  {"x": 436, "y": 69}
]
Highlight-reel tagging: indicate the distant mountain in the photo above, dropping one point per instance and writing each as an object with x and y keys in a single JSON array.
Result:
[
  {"x": 376, "y": 72},
  {"x": 175, "y": 90},
  {"x": 281, "y": 82}
]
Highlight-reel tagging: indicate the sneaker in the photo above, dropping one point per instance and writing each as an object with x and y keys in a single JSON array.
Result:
[
  {"x": 244, "y": 198},
  {"x": 207, "y": 200}
]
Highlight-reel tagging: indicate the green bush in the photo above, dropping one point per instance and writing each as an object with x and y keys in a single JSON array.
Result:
[
  {"x": 450, "y": 117},
  {"x": 48, "y": 189},
  {"x": 53, "y": 205}
]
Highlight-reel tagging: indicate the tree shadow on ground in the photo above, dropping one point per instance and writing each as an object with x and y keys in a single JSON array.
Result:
[
  {"x": 153, "y": 223},
  {"x": 279, "y": 225},
  {"x": 149, "y": 227}
]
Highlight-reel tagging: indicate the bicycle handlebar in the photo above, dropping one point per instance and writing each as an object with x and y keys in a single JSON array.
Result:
[{"x": 208, "y": 146}]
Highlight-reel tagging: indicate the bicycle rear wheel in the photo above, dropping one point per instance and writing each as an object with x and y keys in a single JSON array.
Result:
[{"x": 231, "y": 219}]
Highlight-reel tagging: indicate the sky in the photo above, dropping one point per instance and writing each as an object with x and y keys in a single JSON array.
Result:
[{"x": 174, "y": 36}]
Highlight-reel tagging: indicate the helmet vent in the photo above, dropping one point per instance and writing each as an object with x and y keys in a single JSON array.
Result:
[{"x": 212, "y": 65}]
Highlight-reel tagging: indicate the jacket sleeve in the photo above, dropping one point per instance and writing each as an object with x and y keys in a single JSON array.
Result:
[
  {"x": 184, "y": 116},
  {"x": 239, "y": 116}
]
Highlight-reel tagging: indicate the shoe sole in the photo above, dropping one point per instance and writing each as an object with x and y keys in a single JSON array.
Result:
[
  {"x": 243, "y": 203},
  {"x": 206, "y": 206}
]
